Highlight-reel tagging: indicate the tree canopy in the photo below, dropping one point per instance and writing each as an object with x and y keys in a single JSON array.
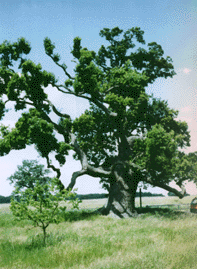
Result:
[
  {"x": 126, "y": 136},
  {"x": 28, "y": 173}
]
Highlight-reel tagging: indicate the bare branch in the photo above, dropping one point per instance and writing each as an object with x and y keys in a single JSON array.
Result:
[
  {"x": 103, "y": 107},
  {"x": 116, "y": 86},
  {"x": 91, "y": 171},
  {"x": 99, "y": 171},
  {"x": 180, "y": 194},
  {"x": 75, "y": 175},
  {"x": 82, "y": 156},
  {"x": 57, "y": 112},
  {"x": 86, "y": 168},
  {"x": 26, "y": 102},
  {"x": 91, "y": 99},
  {"x": 48, "y": 119},
  {"x": 131, "y": 139},
  {"x": 61, "y": 66},
  {"x": 63, "y": 86},
  {"x": 57, "y": 170}
]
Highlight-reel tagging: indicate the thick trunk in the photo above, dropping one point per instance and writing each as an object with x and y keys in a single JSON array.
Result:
[{"x": 121, "y": 201}]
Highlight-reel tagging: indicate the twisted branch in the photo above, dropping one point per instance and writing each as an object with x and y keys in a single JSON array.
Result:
[
  {"x": 57, "y": 170},
  {"x": 180, "y": 194}
]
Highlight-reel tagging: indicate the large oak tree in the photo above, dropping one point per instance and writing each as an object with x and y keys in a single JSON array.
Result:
[{"x": 125, "y": 137}]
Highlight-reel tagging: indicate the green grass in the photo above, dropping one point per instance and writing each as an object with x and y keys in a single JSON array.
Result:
[{"x": 158, "y": 238}]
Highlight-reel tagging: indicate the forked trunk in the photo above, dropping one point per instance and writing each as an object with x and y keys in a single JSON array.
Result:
[{"x": 121, "y": 201}]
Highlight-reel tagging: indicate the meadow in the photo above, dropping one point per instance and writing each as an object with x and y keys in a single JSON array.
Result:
[{"x": 158, "y": 238}]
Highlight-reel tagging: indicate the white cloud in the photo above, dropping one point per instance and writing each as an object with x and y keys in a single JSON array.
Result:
[
  {"x": 187, "y": 109},
  {"x": 190, "y": 187},
  {"x": 186, "y": 70},
  {"x": 187, "y": 119}
]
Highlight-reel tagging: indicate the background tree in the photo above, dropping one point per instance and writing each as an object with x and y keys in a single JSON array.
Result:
[
  {"x": 192, "y": 167},
  {"x": 125, "y": 137},
  {"x": 28, "y": 173}
]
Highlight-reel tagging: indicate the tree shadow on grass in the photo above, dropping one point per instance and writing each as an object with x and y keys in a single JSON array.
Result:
[
  {"x": 77, "y": 215},
  {"x": 162, "y": 212}
]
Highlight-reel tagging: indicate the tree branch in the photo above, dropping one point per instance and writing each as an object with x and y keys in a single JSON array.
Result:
[
  {"x": 99, "y": 171},
  {"x": 116, "y": 86},
  {"x": 68, "y": 90},
  {"x": 180, "y": 194},
  {"x": 57, "y": 112},
  {"x": 86, "y": 168},
  {"x": 61, "y": 66},
  {"x": 91, "y": 171},
  {"x": 57, "y": 170},
  {"x": 103, "y": 107},
  {"x": 75, "y": 175},
  {"x": 131, "y": 139},
  {"x": 91, "y": 99},
  {"x": 57, "y": 127},
  {"x": 82, "y": 156}
]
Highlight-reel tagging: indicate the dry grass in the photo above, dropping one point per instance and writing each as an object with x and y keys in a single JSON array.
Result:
[
  {"x": 164, "y": 200},
  {"x": 158, "y": 239},
  {"x": 96, "y": 203}
]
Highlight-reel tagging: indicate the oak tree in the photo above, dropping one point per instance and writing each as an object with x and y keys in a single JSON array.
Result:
[{"x": 125, "y": 137}]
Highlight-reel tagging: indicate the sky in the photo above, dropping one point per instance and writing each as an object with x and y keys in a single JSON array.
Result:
[{"x": 170, "y": 23}]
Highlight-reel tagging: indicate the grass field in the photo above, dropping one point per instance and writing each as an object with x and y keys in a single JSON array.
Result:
[
  {"x": 160, "y": 238},
  {"x": 145, "y": 201}
]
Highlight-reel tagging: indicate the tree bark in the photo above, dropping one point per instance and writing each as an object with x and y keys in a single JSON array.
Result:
[{"x": 121, "y": 201}]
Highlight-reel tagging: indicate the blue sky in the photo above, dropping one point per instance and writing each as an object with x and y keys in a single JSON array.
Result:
[{"x": 171, "y": 24}]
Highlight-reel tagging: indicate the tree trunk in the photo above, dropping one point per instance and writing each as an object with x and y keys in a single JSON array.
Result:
[
  {"x": 121, "y": 201},
  {"x": 44, "y": 235}
]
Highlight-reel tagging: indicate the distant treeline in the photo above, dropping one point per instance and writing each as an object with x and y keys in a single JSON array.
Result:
[
  {"x": 172, "y": 194},
  {"x": 105, "y": 195},
  {"x": 149, "y": 194},
  {"x": 92, "y": 196},
  {"x": 6, "y": 200}
]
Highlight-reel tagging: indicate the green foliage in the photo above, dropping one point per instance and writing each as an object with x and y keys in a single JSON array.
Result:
[
  {"x": 192, "y": 158},
  {"x": 117, "y": 51},
  {"x": 76, "y": 47},
  {"x": 186, "y": 167},
  {"x": 5, "y": 199},
  {"x": 49, "y": 47},
  {"x": 27, "y": 175},
  {"x": 160, "y": 150},
  {"x": 114, "y": 81},
  {"x": 29, "y": 82},
  {"x": 97, "y": 136},
  {"x": 9, "y": 52},
  {"x": 31, "y": 128},
  {"x": 88, "y": 76},
  {"x": 41, "y": 204}
]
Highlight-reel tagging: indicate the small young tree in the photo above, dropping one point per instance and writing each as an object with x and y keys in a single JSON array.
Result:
[{"x": 42, "y": 204}]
